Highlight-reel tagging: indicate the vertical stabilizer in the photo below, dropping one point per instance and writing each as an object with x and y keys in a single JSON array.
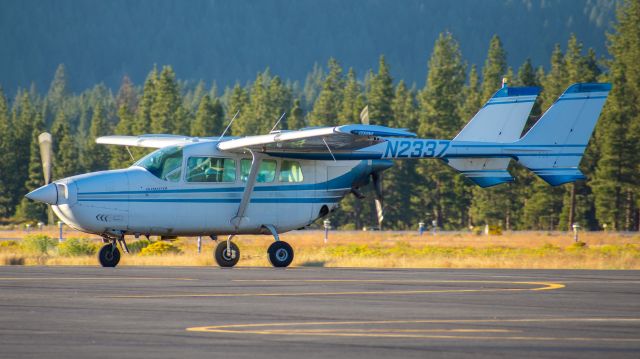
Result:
[
  {"x": 554, "y": 146},
  {"x": 500, "y": 120}
]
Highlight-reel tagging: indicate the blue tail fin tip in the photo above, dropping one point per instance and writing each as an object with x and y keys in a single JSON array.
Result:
[
  {"x": 589, "y": 87},
  {"x": 517, "y": 91}
]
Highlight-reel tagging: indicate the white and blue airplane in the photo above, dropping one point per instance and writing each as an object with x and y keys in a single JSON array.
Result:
[{"x": 286, "y": 180}]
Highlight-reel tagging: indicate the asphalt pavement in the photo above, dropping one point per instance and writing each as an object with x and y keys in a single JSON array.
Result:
[{"x": 200, "y": 312}]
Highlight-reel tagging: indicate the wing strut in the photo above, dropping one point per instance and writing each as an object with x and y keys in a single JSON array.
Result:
[{"x": 248, "y": 189}]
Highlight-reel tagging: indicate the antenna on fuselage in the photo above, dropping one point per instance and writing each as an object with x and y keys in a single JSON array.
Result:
[
  {"x": 276, "y": 125},
  {"x": 229, "y": 125}
]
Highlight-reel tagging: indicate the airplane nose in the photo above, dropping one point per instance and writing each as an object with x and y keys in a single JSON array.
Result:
[{"x": 46, "y": 194}]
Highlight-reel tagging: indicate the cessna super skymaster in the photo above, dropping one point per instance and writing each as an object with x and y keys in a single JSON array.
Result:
[{"x": 285, "y": 180}]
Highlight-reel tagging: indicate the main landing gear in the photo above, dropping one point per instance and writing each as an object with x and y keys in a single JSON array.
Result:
[{"x": 280, "y": 253}]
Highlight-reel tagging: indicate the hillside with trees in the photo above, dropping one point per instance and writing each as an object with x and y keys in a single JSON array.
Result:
[
  {"x": 454, "y": 89},
  {"x": 228, "y": 41}
]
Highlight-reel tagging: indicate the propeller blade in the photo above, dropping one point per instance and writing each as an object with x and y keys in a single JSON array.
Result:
[
  {"x": 376, "y": 178},
  {"x": 45, "y": 140},
  {"x": 364, "y": 115}
]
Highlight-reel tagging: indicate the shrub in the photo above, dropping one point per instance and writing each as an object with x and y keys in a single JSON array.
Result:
[
  {"x": 8, "y": 244},
  {"x": 159, "y": 248},
  {"x": 74, "y": 247},
  {"x": 137, "y": 246},
  {"x": 38, "y": 244}
]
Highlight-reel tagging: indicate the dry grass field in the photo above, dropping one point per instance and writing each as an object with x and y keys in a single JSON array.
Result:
[{"x": 596, "y": 250}]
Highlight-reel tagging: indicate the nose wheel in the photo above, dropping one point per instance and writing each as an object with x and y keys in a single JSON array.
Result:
[
  {"x": 280, "y": 254},
  {"x": 109, "y": 255},
  {"x": 227, "y": 253}
]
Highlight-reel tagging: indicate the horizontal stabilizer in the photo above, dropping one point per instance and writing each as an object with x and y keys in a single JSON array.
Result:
[{"x": 485, "y": 172}]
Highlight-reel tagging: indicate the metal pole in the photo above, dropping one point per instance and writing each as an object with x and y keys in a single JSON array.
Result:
[
  {"x": 327, "y": 226},
  {"x": 60, "y": 238},
  {"x": 575, "y": 231},
  {"x": 199, "y": 244}
]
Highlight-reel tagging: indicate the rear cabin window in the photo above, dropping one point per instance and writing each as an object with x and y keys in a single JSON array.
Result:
[
  {"x": 266, "y": 171},
  {"x": 165, "y": 163},
  {"x": 211, "y": 169},
  {"x": 290, "y": 171}
]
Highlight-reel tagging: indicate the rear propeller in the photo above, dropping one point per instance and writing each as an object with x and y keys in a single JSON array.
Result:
[{"x": 376, "y": 178}]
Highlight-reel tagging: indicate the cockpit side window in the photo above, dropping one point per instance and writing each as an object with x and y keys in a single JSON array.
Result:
[
  {"x": 266, "y": 171},
  {"x": 165, "y": 163},
  {"x": 211, "y": 169},
  {"x": 291, "y": 171}
]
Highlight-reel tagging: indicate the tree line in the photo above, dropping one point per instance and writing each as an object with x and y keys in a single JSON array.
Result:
[{"x": 414, "y": 190}]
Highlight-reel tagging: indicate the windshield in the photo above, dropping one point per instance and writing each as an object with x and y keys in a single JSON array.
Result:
[{"x": 165, "y": 163}]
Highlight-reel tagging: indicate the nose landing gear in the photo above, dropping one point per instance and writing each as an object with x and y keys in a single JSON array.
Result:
[
  {"x": 109, "y": 255},
  {"x": 227, "y": 253}
]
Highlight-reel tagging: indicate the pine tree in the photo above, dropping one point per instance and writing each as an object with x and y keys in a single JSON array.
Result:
[
  {"x": 495, "y": 68},
  {"x": 279, "y": 100},
  {"x": 464, "y": 190},
  {"x": 21, "y": 130},
  {"x": 5, "y": 157},
  {"x": 313, "y": 85},
  {"x": 257, "y": 115},
  {"x": 209, "y": 118},
  {"x": 381, "y": 95},
  {"x": 578, "y": 201},
  {"x": 29, "y": 210},
  {"x": 119, "y": 156},
  {"x": 238, "y": 104},
  {"x": 296, "y": 119},
  {"x": 142, "y": 123},
  {"x": 497, "y": 205},
  {"x": 401, "y": 204},
  {"x": 329, "y": 101},
  {"x": 351, "y": 101},
  {"x": 166, "y": 104},
  {"x": 65, "y": 149},
  {"x": 439, "y": 102},
  {"x": 127, "y": 95},
  {"x": 57, "y": 95},
  {"x": 526, "y": 74},
  {"x": 616, "y": 181},
  {"x": 96, "y": 156}
]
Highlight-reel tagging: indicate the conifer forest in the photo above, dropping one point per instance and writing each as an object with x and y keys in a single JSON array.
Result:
[{"x": 334, "y": 94}]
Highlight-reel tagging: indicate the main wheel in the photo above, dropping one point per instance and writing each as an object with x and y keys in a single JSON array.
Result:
[
  {"x": 280, "y": 254},
  {"x": 109, "y": 255},
  {"x": 223, "y": 257}
]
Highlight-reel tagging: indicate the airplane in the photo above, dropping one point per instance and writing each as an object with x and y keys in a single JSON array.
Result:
[{"x": 286, "y": 180}]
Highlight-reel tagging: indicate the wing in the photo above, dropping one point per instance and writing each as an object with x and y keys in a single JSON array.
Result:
[
  {"x": 324, "y": 140},
  {"x": 151, "y": 141}
]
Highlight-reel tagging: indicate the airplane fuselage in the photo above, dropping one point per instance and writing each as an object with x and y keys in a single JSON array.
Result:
[{"x": 143, "y": 201}]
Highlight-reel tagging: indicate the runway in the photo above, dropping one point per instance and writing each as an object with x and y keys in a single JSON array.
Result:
[{"x": 195, "y": 312}]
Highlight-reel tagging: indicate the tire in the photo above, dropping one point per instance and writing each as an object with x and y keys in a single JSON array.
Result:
[
  {"x": 109, "y": 255},
  {"x": 280, "y": 254},
  {"x": 225, "y": 260}
]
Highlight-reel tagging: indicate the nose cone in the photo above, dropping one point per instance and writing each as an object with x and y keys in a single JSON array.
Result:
[{"x": 46, "y": 194}]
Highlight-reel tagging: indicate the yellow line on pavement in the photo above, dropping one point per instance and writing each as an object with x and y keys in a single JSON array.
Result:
[
  {"x": 337, "y": 329},
  {"x": 539, "y": 286}
]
